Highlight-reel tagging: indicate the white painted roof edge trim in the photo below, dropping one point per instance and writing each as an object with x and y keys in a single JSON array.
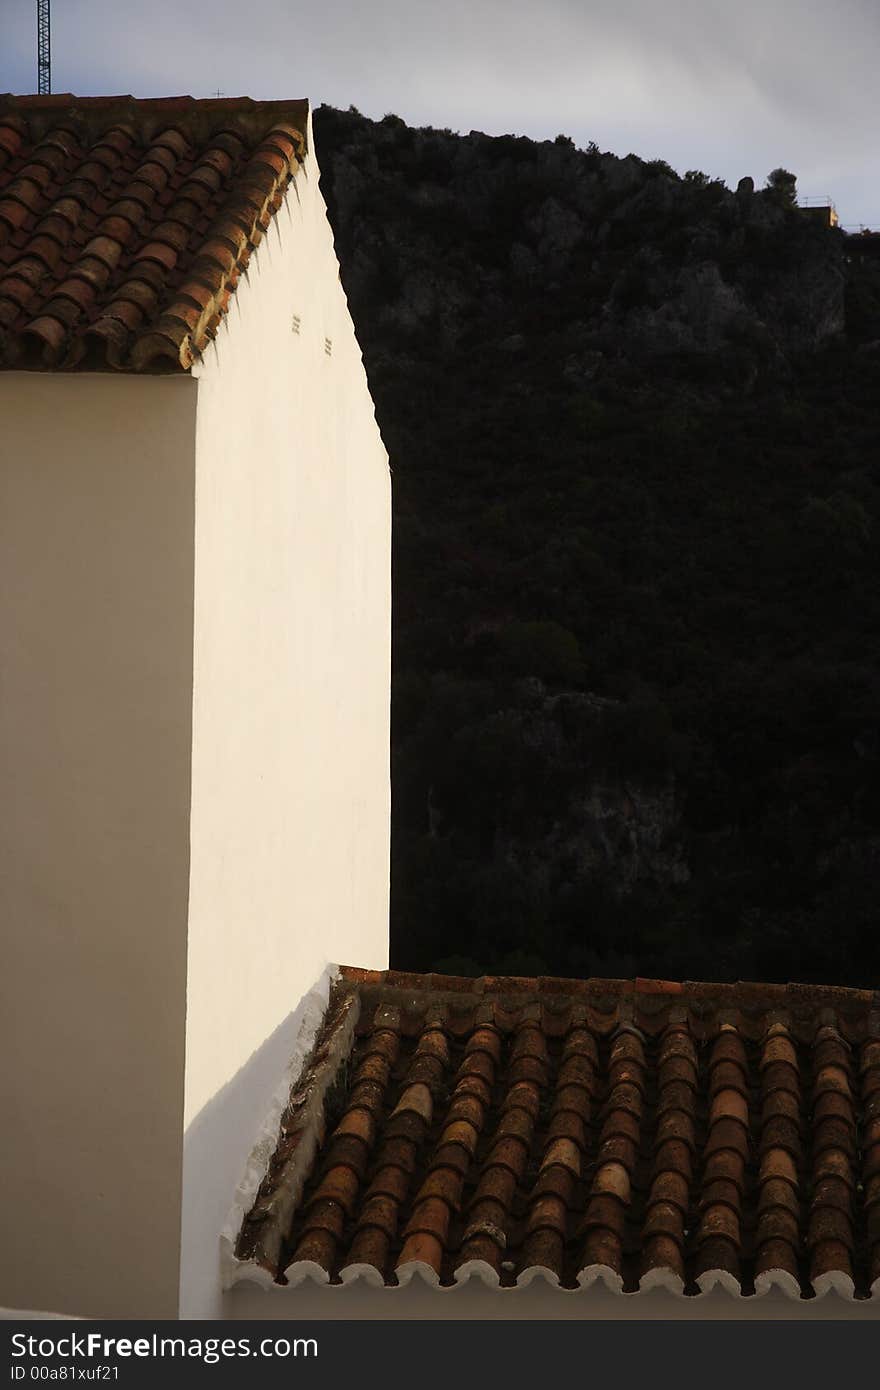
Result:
[
  {"x": 314, "y": 1007},
  {"x": 245, "y": 1271},
  {"x": 539, "y": 1272},
  {"x": 361, "y": 1273},
  {"x": 419, "y": 1272},
  {"x": 720, "y": 1278},
  {"x": 835, "y": 1279},
  {"x": 662, "y": 1278},
  {"x": 417, "y": 1269},
  {"x": 477, "y": 1269},
  {"x": 779, "y": 1279},
  {"x": 603, "y": 1274},
  {"x": 302, "y": 1270}
]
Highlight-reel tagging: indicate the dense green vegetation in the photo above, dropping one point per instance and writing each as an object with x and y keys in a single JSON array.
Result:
[{"x": 633, "y": 421}]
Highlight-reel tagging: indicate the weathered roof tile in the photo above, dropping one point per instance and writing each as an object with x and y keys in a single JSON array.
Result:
[
  {"x": 107, "y": 191},
  {"x": 726, "y": 1137}
]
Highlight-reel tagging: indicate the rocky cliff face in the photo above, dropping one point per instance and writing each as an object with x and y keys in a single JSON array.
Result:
[
  {"x": 628, "y": 834},
  {"x": 632, "y": 420}
]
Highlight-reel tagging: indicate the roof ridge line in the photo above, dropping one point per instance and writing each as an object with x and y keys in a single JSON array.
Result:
[{"x": 745, "y": 991}]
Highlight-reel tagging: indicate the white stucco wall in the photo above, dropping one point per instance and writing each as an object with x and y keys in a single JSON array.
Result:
[
  {"x": 290, "y": 772},
  {"x": 96, "y": 526}
]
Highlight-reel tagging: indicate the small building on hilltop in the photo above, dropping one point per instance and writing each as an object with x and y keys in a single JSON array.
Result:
[
  {"x": 820, "y": 210},
  {"x": 194, "y": 715}
]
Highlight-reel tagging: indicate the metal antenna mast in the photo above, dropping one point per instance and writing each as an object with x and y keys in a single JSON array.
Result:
[{"x": 44, "y": 50}]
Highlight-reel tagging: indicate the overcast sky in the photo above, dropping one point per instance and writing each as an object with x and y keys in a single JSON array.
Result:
[{"x": 731, "y": 88}]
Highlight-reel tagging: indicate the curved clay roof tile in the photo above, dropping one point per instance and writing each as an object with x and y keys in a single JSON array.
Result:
[{"x": 66, "y": 176}]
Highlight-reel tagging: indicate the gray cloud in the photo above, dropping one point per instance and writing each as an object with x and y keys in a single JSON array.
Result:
[{"x": 703, "y": 84}]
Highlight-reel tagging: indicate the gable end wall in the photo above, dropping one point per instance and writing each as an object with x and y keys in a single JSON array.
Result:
[{"x": 291, "y": 727}]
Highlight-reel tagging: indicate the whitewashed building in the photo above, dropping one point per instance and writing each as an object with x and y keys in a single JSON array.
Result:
[{"x": 194, "y": 717}]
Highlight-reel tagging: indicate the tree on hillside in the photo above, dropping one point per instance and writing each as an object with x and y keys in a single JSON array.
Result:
[{"x": 783, "y": 185}]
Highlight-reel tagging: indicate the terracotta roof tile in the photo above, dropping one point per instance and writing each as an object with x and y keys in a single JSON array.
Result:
[
  {"x": 730, "y": 1134},
  {"x": 422, "y": 1247},
  {"x": 99, "y": 195}
]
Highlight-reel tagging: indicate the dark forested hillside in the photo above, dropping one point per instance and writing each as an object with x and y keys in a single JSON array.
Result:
[{"x": 633, "y": 422}]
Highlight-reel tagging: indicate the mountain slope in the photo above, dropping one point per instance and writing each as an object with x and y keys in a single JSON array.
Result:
[{"x": 633, "y": 423}]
